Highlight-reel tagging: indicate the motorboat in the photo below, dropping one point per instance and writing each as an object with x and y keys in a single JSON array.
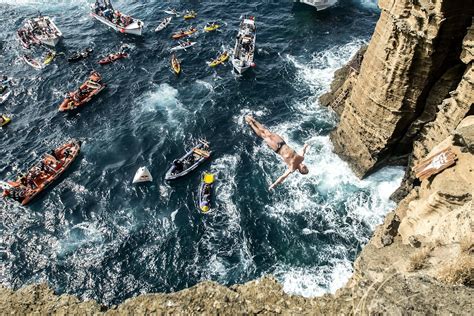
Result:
[
  {"x": 318, "y": 4},
  {"x": 45, "y": 30},
  {"x": 244, "y": 50},
  {"x": 39, "y": 177},
  {"x": 39, "y": 30},
  {"x": 195, "y": 157},
  {"x": 103, "y": 11},
  {"x": 89, "y": 89}
]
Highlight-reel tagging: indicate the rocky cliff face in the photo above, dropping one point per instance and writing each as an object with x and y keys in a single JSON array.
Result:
[
  {"x": 412, "y": 95},
  {"x": 412, "y": 63}
]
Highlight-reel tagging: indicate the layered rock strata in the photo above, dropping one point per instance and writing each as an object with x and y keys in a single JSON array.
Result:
[
  {"x": 413, "y": 95},
  {"x": 419, "y": 262},
  {"x": 415, "y": 49}
]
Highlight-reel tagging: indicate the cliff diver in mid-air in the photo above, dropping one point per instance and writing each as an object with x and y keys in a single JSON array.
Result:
[{"x": 275, "y": 142}]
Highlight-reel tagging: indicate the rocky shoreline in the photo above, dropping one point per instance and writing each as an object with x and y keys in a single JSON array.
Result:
[{"x": 407, "y": 96}]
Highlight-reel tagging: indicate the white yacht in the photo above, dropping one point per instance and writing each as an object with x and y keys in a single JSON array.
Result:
[
  {"x": 318, "y": 4},
  {"x": 40, "y": 30},
  {"x": 105, "y": 13},
  {"x": 244, "y": 50},
  {"x": 44, "y": 29}
]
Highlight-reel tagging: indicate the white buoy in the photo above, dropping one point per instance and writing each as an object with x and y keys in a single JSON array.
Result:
[{"x": 142, "y": 175}]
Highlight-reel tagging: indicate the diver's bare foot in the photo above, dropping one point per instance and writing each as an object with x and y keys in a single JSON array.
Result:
[{"x": 248, "y": 119}]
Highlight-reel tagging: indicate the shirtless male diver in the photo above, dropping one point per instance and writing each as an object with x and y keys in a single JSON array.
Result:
[{"x": 275, "y": 142}]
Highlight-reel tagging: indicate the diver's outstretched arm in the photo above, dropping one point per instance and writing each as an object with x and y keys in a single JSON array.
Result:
[
  {"x": 305, "y": 147},
  {"x": 280, "y": 179}
]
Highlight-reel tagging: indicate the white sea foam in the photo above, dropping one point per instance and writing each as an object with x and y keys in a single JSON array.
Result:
[
  {"x": 165, "y": 97},
  {"x": 206, "y": 84},
  {"x": 85, "y": 233},
  {"x": 318, "y": 72},
  {"x": 329, "y": 185},
  {"x": 372, "y": 4},
  {"x": 227, "y": 215},
  {"x": 314, "y": 281}
]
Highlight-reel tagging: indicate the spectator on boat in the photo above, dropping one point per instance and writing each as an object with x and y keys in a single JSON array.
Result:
[
  {"x": 108, "y": 14},
  {"x": 29, "y": 182},
  {"x": 76, "y": 97},
  {"x": 178, "y": 165},
  {"x": 207, "y": 191},
  {"x": 53, "y": 154}
]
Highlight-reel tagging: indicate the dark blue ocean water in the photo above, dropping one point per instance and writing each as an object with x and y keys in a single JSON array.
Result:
[{"x": 96, "y": 235}]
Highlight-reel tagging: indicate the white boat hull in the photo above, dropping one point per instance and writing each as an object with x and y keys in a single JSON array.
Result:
[
  {"x": 5, "y": 96},
  {"x": 176, "y": 48},
  {"x": 163, "y": 25},
  {"x": 49, "y": 38},
  {"x": 52, "y": 42},
  {"x": 135, "y": 28},
  {"x": 318, "y": 4},
  {"x": 242, "y": 62},
  {"x": 238, "y": 67},
  {"x": 34, "y": 63}
]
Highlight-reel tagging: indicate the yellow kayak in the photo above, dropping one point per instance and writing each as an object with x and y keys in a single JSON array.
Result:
[
  {"x": 175, "y": 65},
  {"x": 49, "y": 58},
  {"x": 219, "y": 60},
  {"x": 211, "y": 27},
  {"x": 5, "y": 120},
  {"x": 190, "y": 15}
]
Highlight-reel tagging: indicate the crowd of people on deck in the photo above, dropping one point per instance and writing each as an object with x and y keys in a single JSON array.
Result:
[
  {"x": 112, "y": 15},
  {"x": 36, "y": 176},
  {"x": 33, "y": 30}
]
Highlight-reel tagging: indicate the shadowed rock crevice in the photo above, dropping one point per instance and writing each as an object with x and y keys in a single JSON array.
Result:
[{"x": 414, "y": 47}]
